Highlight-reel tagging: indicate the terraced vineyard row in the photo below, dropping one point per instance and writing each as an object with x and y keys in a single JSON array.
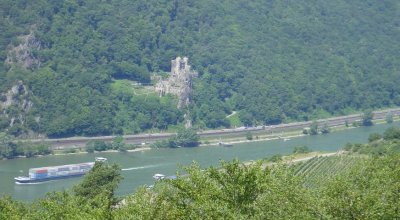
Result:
[{"x": 319, "y": 169}]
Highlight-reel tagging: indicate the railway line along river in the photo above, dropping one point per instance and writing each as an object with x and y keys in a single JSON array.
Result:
[{"x": 139, "y": 167}]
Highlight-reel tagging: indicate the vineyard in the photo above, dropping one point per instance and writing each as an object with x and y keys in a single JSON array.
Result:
[{"x": 320, "y": 169}]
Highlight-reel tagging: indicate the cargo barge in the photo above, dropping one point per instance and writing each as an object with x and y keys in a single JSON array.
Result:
[{"x": 43, "y": 174}]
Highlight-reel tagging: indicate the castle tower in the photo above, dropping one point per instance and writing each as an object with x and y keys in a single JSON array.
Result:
[{"x": 179, "y": 82}]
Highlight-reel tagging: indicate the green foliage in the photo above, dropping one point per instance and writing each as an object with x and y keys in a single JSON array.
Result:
[
  {"x": 391, "y": 133},
  {"x": 356, "y": 124},
  {"x": 70, "y": 151},
  {"x": 263, "y": 67},
  {"x": 374, "y": 148},
  {"x": 97, "y": 145},
  {"x": 118, "y": 143},
  {"x": 389, "y": 118},
  {"x": 374, "y": 137},
  {"x": 126, "y": 70},
  {"x": 389, "y": 145},
  {"x": 93, "y": 199},
  {"x": 347, "y": 147},
  {"x": 100, "y": 146},
  {"x": 275, "y": 158},
  {"x": 65, "y": 205},
  {"x": 89, "y": 147},
  {"x": 4, "y": 123},
  {"x": 102, "y": 179},
  {"x": 320, "y": 170},
  {"x": 122, "y": 89},
  {"x": 336, "y": 187},
  {"x": 162, "y": 144},
  {"x": 11, "y": 209},
  {"x": 353, "y": 188},
  {"x": 10, "y": 148},
  {"x": 235, "y": 121},
  {"x": 184, "y": 138},
  {"x": 232, "y": 192},
  {"x": 249, "y": 136},
  {"x": 43, "y": 148},
  {"x": 367, "y": 117},
  {"x": 313, "y": 128},
  {"x": 369, "y": 191},
  {"x": 16, "y": 130},
  {"x": 3, "y": 98},
  {"x": 325, "y": 129},
  {"x": 301, "y": 150}
]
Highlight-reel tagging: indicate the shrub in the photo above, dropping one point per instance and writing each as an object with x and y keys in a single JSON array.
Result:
[
  {"x": 325, "y": 129},
  {"x": 366, "y": 118},
  {"x": 275, "y": 158},
  {"x": 314, "y": 128},
  {"x": 391, "y": 133},
  {"x": 389, "y": 118},
  {"x": 374, "y": 137},
  {"x": 301, "y": 150},
  {"x": 249, "y": 136}
]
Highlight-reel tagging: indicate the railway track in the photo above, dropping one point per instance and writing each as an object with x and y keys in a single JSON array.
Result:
[{"x": 76, "y": 142}]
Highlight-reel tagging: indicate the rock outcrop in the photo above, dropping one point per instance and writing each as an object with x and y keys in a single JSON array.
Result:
[
  {"x": 17, "y": 96},
  {"x": 23, "y": 54}
]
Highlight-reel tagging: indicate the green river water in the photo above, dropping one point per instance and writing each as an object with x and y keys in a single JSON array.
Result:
[{"x": 139, "y": 167}]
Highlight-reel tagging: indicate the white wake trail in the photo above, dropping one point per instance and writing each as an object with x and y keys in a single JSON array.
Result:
[{"x": 141, "y": 167}]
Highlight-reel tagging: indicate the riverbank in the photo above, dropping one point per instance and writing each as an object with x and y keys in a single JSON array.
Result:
[
  {"x": 106, "y": 151},
  {"x": 257, "y": 135},
  {"x": 284, "y": 136},
  {"x": 83, "y": 152},
  {"x": 139, "y": 139}
]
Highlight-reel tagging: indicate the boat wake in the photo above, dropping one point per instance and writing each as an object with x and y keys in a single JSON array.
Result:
[
  {"x": 141, "y": 167},
  {"x": 37, "y": 183}
]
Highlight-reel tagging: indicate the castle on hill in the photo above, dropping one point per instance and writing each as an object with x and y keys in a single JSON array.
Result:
[{"x": 179, "y": 82}]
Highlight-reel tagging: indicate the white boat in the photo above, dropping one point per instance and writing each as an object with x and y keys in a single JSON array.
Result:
[
  {"x": 158, "y": 176},
  {"x": 100, "y": 159},
  {"x": 225, "y": 144}
]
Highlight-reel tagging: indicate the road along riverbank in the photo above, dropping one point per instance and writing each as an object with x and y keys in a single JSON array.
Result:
[
  {"x": 269, "y": 136},
  {"x": 275, "y": 130}
]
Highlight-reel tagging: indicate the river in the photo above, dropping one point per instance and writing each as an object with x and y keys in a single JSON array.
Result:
[{"x": 139, "y": 167}]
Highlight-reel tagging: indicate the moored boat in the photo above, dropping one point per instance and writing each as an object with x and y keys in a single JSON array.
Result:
[{"x": 225, "y": 144}]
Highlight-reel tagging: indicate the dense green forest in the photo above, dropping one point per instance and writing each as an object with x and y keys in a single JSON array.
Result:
[
  {"x": 362, "y": 183},
  {"x": 270, "y": 61}
]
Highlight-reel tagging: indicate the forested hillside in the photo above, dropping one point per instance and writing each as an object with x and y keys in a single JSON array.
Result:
[{"x": 270, "y": 61}]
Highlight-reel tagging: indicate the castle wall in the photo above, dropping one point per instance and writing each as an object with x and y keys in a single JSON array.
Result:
[{"x": 179, "y": 81}]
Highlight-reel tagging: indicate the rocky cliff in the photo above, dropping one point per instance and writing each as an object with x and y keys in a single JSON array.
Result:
[{"x": 15, "y": 104}]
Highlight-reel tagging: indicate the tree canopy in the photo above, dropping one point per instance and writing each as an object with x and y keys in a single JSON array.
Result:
[{"x": 270, "y": 61}]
